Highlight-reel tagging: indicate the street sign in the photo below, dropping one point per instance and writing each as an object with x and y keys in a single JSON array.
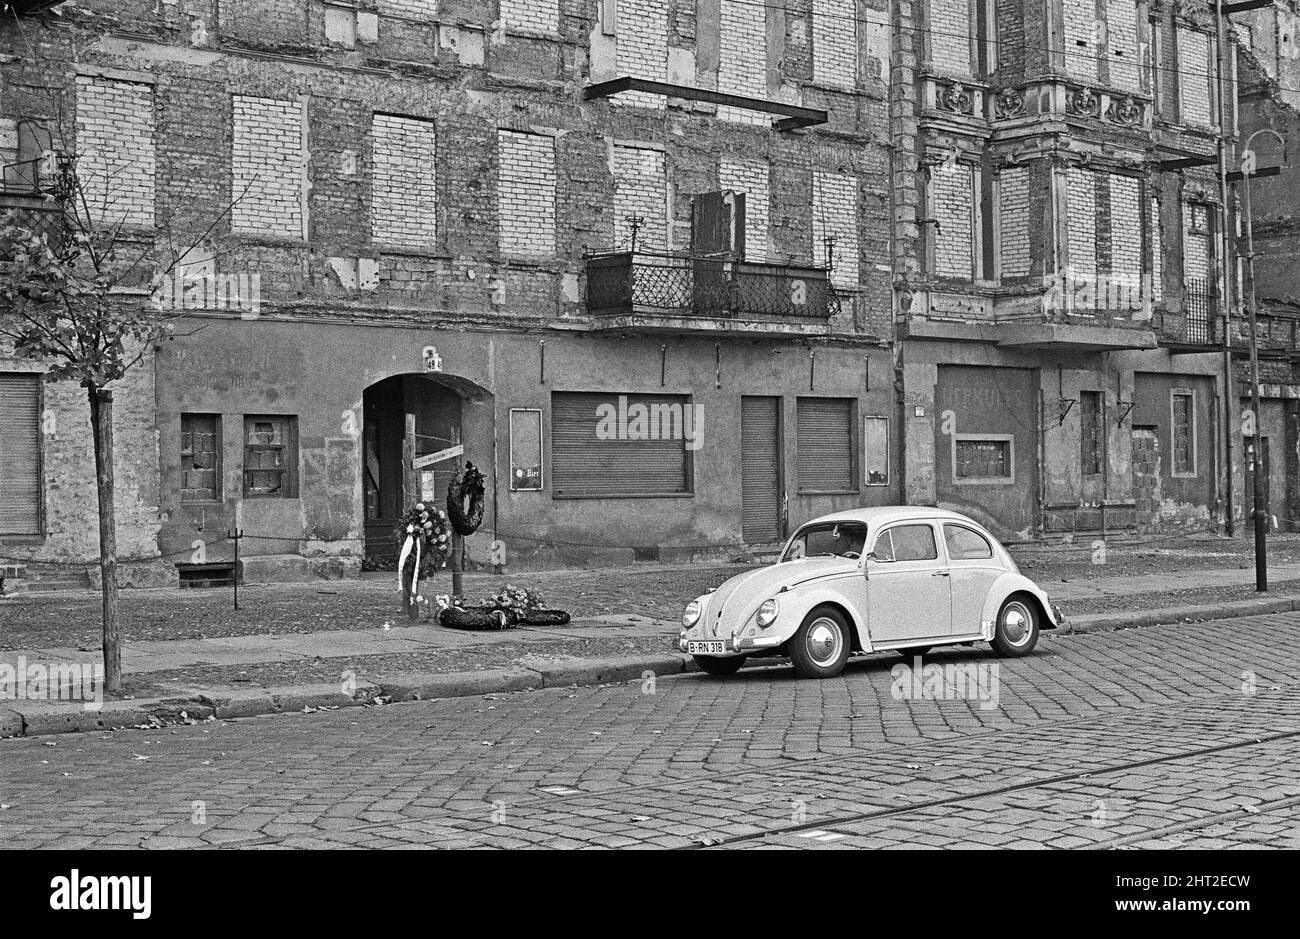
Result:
[{"x": 430, "y": 458}]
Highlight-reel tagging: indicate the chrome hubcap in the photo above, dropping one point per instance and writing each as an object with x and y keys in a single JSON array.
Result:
[
  {"x": 1016, "y": 624},
  {"x": 824, "y": 641}
]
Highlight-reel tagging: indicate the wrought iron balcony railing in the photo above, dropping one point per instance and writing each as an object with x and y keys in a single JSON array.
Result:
[
  {"x": 34, "y": 212},
  {"x": 677, "y": 285}
]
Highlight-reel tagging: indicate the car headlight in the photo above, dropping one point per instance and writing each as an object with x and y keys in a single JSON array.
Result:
[
  {"x": 767, "y": 613},
  {"x": 691, "y": 615}
]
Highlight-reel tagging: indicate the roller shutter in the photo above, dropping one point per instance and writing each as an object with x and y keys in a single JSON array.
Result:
[
  {"x": 20, "y": 454},
  {"x": 825, "y": 445},
  {"x": 583, "y": 463}
]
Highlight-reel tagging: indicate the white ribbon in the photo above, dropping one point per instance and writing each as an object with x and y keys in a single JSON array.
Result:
[{"x": 405, "y": 553}]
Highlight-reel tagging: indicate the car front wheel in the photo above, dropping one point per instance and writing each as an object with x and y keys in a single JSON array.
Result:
[
  {"x": 712, "y": 665},
  {"x": 1016, "y": 632},
  {"x": 821, "y": 646}
]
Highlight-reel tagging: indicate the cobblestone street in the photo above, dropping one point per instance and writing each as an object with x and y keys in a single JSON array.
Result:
[{"x": 1163, "y": 736}]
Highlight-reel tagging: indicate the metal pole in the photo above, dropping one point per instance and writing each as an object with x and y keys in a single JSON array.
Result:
[
  {"x": 1261, "y": 541},
  {"x": 1221, "y": 287}
]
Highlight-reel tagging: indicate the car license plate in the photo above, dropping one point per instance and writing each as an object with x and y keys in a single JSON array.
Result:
[{"x": 712, "y": 647}]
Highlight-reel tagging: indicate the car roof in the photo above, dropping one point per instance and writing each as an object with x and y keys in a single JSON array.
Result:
[{"x": 883, "y": 514}]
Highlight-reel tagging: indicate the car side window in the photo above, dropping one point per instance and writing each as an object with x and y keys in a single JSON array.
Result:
[
  {"x": 884, "y": 549},
  {"x": 966, "y": 545},
  {"x": 914, "y": 543}
]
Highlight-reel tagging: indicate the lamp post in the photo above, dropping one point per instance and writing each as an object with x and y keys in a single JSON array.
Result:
[{"x": 1260, "y": 513}]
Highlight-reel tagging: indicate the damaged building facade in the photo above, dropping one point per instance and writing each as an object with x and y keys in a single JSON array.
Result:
[{"x": 677, "y": 276}]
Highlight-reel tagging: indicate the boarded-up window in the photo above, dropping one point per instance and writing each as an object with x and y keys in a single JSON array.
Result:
[
  {"x": 270, "y": 457},
  {"x": 1091, "y": 439},
  {"x": 200, "y": 457},
  {"x": 20, "y": 454},
  {"x": 824, "y": 443},
  {"x": 983, "y": 459},
  {"x": 621, "y": 445},
  {"x": 1183, "y": 407},
  {"x": 875, "y": 451}
]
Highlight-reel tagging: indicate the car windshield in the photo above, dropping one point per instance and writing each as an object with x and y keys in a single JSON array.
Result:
[{"x": 828, "y": 539}]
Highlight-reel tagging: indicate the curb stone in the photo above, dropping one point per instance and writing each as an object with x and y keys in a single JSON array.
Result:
[{"x": 43, "y": 719}]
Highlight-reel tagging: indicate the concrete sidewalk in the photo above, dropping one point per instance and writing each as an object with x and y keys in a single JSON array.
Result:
[{"x": 1121, "y": 585}]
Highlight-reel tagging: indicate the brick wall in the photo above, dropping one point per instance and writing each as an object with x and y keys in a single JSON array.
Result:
[
  {"x": 267, "y": 165},
  {"x": 1122, "y": 44},
  {"x": 835, "y": 214},
  {"x": 1081, "y": 226},
  {"x": 835, "y": 43},
  {"x": 953, "y": 208},
  {"x": 115, "y": 143},
  {"x": 534, "y": 16},
  {"x": 1013, "y": 221},
  {"x": 1196, "y": 249},
  {"x": 642, "y": 47},
  {"x": 950, "y": 36},
  {"x": 1125, "y": 227},
  {"x": 1194, "y": 78},
  {"x": 1080, "y": 39},
  {"x": 414, "y": 9},
  {"x": 640, "y": 188},
  {"x": 742, "y": 64},
  {"x": 526, "y": 194},
  {"x": 751, "y": 178},
  {"x": 404, "y": 186}
]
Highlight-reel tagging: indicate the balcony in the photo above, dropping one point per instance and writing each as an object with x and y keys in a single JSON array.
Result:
[{"x": 659, "y": 292}]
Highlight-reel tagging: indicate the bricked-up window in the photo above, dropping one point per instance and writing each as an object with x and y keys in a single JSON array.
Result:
[
  {"x": 824, "y": 445},
  {"x": 1182, "y": 405},
  {"x": 1121, "y": 36},
  {"x": 952, "y": 212},
  {"x": 983, "y": 458},
  {"x": 526, "y": 194},
  {"x": 200, "y": 457},
  {"x": 835, "y": 215},
  {"x": 1081, "y": 226},
  {"x": 1157, "y": 233},
  {"x": 268, "y": 167},
  {"x": 640, "y": 28},
  {"x": 835, "y": 44},
  {"x": 531, "y": 16},
  {"x": 640, "y": 190},
  {"x": 621, "y": 445},
  {"x": 20, "y": 453},
  {"x": 1196, "y": 243},
  {"x": 1193, "y": 78},
  {"x": 270, "y": 457},
  {"x": 751, "y": 178},
  {"x": 742, "y": 63},
  {"x": 404, "y": 181},
  {"x": 949, "y": 23},
  {"x": 1081, "y": 34},
  {"x": 115, "y": 143},
  {"x": 1092, "y": 439},
  {"x": 1013, "y": 222}
]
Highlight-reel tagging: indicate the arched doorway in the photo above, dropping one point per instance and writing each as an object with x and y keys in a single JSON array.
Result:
[{"x": 413, "y": 427}]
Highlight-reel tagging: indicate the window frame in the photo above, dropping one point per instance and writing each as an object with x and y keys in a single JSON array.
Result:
[
  {"x": 1190, "y": 395},
  {"x": 217, "y": 433},
  {"x": 1099, "y": 435},
  {"x": 894, "y": 559},
  {"x": 1008, "y": 480},
  {"x": 289, "y": 447}
]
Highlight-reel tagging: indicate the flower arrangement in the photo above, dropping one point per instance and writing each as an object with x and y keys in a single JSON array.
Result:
[
  {"x": 424, "y": 541},
  {"x": 511, "y": 598}
]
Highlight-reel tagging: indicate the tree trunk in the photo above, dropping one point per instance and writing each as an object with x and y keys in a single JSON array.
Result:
[{"x": 101, "y": 424}]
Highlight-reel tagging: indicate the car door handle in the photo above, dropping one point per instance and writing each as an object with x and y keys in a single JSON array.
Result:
[{"x": 938, "y": 573}]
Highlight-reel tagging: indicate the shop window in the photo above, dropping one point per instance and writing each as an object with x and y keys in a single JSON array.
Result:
[
  {"x": 270, "y": 457},
  {"x": 200, "y": 457}
]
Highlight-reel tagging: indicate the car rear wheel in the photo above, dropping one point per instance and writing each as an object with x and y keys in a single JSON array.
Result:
[
  {"x": 821, "y": 646},
  {"x": 1016, "y": 632},
  {"x": 712, "y": 665}
]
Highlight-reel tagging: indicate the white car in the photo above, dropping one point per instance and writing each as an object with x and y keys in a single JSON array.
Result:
[{"x": 927, "y": 577}]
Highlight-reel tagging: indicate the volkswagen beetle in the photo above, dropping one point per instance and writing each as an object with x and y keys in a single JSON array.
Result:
[{"x": 901, "y": 577}]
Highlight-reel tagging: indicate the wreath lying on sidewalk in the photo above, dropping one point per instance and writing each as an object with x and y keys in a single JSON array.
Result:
[
  {"x": 465, "y": 500},
  {"x": 423, "y": 543},
  {"x": 507, "y": 608}
]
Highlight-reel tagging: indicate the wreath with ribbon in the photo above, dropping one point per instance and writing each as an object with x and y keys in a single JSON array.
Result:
[
  {"x": 424, "y": 543},
  {"x": 465, "y": 500}
]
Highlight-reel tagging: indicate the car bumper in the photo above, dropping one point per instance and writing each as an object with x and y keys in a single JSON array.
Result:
[{"x": 1058, "y": 616}]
